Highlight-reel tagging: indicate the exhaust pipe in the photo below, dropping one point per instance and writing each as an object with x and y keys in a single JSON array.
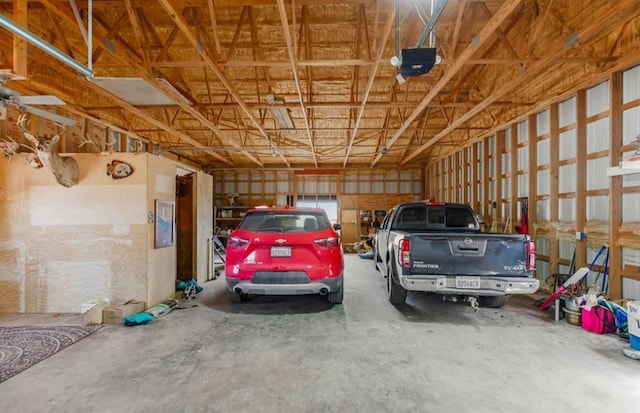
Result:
[
  {"x": 238, "y": 290},
  {"x": 323, "y": 291}
]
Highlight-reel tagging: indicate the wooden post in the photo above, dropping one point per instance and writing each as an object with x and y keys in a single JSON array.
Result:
[
  {"x": 20, "y": 16},
  {"x": 499, "y": 146},
  {"x": 581, "y": 175},
  {"x": 615, "y": 185},
  {"x": 513, "y": 204},
  {"x": 553, "y": 186},
  {"x": 533, "y": 173}
]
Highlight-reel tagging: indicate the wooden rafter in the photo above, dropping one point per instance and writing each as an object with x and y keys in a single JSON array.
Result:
[
  {"x": 615, "y": 13},
  {"x": 501, "y": 15},
  {"x": 372, "y": 75},
  {"x": 287, "y": 36}
]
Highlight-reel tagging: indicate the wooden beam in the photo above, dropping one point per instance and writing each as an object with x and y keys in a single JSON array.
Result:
[
  {"x": 614, "y": 13},
  {"x": 581, "y": 175},
  {"x": 214, "y": 26},
  {"x": 20, "y": 16},
  {"x": 554, "y": 151},
  {"x": 372, "y": 75},
  {"x": 513, "y": 190},
  {"x": 501, "y": 15},
  {"x": 615, "y": 186},
  {"x": 498, "y": 175},
  {"x": 137, "y": 30},
  {"x": 292, "y": 59},
  {"x": 186, "y": 31},
  {"x": 532, "y": 124}
]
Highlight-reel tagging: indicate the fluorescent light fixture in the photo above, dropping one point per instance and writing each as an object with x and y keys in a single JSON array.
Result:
[
  {"x": 280, "y": 114},
  {"x": 137, "y": 91}
]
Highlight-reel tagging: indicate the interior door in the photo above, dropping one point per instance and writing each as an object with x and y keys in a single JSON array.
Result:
[
  {"x": 349, "y": 222},
  {"x": 184, "y": 227}
]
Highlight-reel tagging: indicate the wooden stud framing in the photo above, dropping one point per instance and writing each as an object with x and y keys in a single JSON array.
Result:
[
  {"x": 513, "y": 205},
  {"x": 554, "y": 136},
  {"x": 498, "y": 176},
  {"x": 615, "y": 185},
  {"x": 581, "y": 174},
  {"x": 533, "y": 173}
]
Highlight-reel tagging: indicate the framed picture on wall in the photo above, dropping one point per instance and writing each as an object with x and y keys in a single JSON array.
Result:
[{"x": 164, "y": 223}]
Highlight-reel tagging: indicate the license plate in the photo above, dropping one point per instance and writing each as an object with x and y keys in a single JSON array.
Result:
[
  {"x": 280, "y": 251},
  {"x": 468, "y": 282}
]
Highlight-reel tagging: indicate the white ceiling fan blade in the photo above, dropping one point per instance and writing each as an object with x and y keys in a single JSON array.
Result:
[
  {"x": 49, "y": 115},
  {"x": 40, "y": 100},
  {"x": 5, "y": 91}
]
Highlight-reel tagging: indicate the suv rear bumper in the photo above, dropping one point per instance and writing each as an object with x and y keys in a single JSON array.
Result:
[
  {"x": 323, "y": 286},
  {"x": 495, "y": 286}
]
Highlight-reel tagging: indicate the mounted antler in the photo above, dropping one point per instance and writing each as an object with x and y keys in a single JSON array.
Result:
[
  {"x": 104, "y": 147},
  {"x": 64, "y": 168}
]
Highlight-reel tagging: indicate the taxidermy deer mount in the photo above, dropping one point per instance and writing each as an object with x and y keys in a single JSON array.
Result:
[{"x": 64, "y": 168}]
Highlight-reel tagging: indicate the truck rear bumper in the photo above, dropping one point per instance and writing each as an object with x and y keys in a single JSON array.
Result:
[{"x": 495, "y": 286}]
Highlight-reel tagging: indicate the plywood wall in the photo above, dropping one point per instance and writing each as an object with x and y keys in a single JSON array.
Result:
[
  {"x": 161, "y": 262},
  {"x": 204, "y": 225},
  {"x": 60, "y": 247}
]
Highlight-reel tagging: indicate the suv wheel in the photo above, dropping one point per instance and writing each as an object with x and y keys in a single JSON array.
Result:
[
  {"x": 335, "y": 297},
  {"x": 237, "y": 298}
]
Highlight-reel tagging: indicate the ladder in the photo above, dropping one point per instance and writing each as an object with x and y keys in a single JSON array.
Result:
[{"x": 219, "y": 248}]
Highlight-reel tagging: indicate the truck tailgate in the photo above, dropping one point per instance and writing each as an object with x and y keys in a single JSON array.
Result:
[{"x": 469, "y": 254}]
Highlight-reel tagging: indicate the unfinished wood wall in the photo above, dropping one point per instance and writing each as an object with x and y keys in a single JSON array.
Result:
[
  {"x": 557, "y": 158},
  {"x": 60, "y": 247}
]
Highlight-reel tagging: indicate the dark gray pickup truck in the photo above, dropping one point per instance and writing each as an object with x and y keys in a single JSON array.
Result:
[{"x": 439, "y": 248}]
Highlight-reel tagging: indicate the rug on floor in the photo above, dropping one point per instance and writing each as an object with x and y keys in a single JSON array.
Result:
[{"x": 22, "y": 347}]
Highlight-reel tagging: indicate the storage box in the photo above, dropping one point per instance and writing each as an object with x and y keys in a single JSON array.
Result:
[
  {"x": 633, "y": 318},
  {"x": 115, "y": 314},
  {"x": 93, "y": 311}
]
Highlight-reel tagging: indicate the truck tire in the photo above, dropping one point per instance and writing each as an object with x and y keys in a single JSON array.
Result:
[
  {"x": 493, "y": 301},
  {"x": 376, "y": 258},
  {"x": 335, "y": 297},
  {"x": 395, "y": 292}
]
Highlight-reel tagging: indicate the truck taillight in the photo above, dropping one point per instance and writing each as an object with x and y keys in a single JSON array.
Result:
[
  {"x": 405, "y": 255},
  {"x": 531, "y": 254}
]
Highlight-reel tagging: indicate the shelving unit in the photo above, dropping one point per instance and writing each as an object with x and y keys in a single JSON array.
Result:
[
  {"x": 226, "y": 218},
  {"x": 366, "y": 220}
]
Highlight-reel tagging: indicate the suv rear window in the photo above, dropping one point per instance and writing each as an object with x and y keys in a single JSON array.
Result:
[{"x": 295, "y": 221}]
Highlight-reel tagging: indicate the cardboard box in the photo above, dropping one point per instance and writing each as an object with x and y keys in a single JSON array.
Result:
[
  {"x": 114, "y": 314},
  {"x": 93, "y": 314}
]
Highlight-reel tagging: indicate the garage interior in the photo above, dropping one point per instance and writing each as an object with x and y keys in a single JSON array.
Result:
[{"x": 193, "y": 112}]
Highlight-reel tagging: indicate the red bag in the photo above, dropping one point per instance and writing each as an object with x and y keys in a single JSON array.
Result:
[{"x": 598, "y": 320}]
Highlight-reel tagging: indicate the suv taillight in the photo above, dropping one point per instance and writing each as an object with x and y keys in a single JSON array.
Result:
[
  {"x": 531, "y": 254},
  {"x": 237, "y": 243},
  {"x": 404, "y": 253},
  {"x": 331, "y": 242}
]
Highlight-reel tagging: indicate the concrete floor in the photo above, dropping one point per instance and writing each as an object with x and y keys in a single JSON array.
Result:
[{"x": 300, "y": 354}]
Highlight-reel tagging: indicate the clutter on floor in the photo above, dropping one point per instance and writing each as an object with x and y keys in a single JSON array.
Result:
[{"x": 189, "y": 290}]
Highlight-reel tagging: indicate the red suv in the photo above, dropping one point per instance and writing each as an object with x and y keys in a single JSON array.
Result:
[{"x": 285, "y": 251}]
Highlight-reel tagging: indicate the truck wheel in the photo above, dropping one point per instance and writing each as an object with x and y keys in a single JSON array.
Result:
[
  {"x": 335, "y": 297},
  {"x": 493, "y": 301},
  {"x": 376, "y": 258},
  {"x": 395, "y": 292},
  {"x": 237, "y": 298}
]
